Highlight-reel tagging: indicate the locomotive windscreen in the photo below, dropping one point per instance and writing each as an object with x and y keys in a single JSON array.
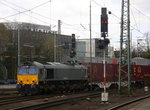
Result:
[{"x": 27, "y": 71}]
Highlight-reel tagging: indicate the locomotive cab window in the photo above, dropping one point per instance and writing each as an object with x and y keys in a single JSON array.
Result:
[
  {"x": 50, "y": 73},
  {"x": 32, "y": 71},
  {"x": 27, "y": 70},
  {"x": 22, "y": 71}
]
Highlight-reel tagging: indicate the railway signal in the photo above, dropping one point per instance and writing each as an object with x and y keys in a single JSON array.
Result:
[
  {"x": 104, "y": 29},
  {"x": 102, "y": 45},
  {"x": 73, "y": 47},
  {"x": 104, "y": 22},
  {"x": 72, "y": 54},
  {"x": 73, "y": 42}
]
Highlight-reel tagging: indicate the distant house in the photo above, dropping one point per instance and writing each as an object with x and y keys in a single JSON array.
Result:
[
  {"x": 32, "y": 33},
  {"x": 83, "y": 48}
]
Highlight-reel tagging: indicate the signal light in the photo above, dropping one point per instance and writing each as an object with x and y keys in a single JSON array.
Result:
[
  {"x": 106, "y": 41},
  {"x": 72, "y": 54},
  {"x": 103, "y": 43},
  {"x": 104, "y": 22},
  {"x": 73, "y": 40},
  {"x": 73, "y": 46}
]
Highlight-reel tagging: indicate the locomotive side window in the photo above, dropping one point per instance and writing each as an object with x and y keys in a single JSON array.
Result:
[{"x": 50, "y": 73}]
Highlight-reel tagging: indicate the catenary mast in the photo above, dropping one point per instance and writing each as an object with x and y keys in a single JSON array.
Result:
[{"x": 125, "y": 56}]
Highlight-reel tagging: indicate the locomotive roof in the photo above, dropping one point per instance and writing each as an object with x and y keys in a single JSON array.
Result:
[{"x": 57, "y": 65}]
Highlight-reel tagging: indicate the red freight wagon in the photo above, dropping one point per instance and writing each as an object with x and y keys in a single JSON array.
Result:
[
  {"x": 141, "y": 72},
  {"x": 111, "y": 72},
  {"x": 138, "y": 73}
]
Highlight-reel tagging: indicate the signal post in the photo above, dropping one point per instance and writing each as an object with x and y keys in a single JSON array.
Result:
[{"x": 103, "y": 43}]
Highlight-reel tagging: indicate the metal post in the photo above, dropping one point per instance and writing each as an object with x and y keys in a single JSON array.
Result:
[
  {"x": 104, "y": 72},
  {"x": 90, "y": 48},
  {"x": 125, "y": 54},
  {"x": 59, "y": 27},
  {"x": 59, "y": 41},
  {"x": 18, "y": 45},
  {"x": 54, "y": 47},
  {"x": 129, "y": 51},
  {"x": 50, "y": 16},
  {"x": 104, "y": 95}
]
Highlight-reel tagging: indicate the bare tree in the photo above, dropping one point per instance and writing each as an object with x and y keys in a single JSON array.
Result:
[{"x": 4, "y": 38}]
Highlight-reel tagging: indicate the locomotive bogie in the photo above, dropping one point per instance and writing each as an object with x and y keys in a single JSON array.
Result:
[
  {"x": 28, "y": 89},
  {"x": 64, "y": 86}
]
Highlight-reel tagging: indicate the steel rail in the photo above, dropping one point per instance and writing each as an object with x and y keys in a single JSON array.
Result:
[
  {"x": 129, "y": 102},
  {"x": 19, "y": 99},
  {"x": 48, "y": 104},
  {"x": 15, "y": 100},
  {"x": 7, "y": 97}
]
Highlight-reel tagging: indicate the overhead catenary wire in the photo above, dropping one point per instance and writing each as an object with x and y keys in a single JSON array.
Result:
[
  {"x": 120, "y": 18},
  {"x": 24, "y": 12},
  {"x": 5, "y": 19},
  {"x": 29, "y": 10},
  {"x": 138, "y": 30},
  {"x": 140, "y": 12},
  {"x": 108, "y": 10},
  {"x": 134, "y": 19}
]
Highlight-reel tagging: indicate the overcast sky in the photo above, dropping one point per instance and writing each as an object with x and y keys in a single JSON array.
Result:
[{"x": 74, "y": 15}]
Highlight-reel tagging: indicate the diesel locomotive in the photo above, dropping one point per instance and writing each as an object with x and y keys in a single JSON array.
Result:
[{"x": 35, "y": 77}]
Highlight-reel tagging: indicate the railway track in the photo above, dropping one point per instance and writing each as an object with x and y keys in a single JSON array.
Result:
[
  {"x": 11, "y": 100},
  {"x": 128, "y": 103},
  {"x": 48, "y": 104},
  {"x": 8, "y": 92},
  {"x": 4, "y": 97},
  {"x": 56, "y": 100},
  {"x": 15, "y": 100}
]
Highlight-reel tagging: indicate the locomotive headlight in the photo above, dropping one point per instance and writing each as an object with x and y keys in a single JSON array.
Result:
[
  {"x": 33, "y": 82},
  {"x": 20, "y": 82}
]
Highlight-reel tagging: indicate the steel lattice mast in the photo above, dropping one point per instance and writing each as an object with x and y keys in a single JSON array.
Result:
[{"x": 125, "y": 57}]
